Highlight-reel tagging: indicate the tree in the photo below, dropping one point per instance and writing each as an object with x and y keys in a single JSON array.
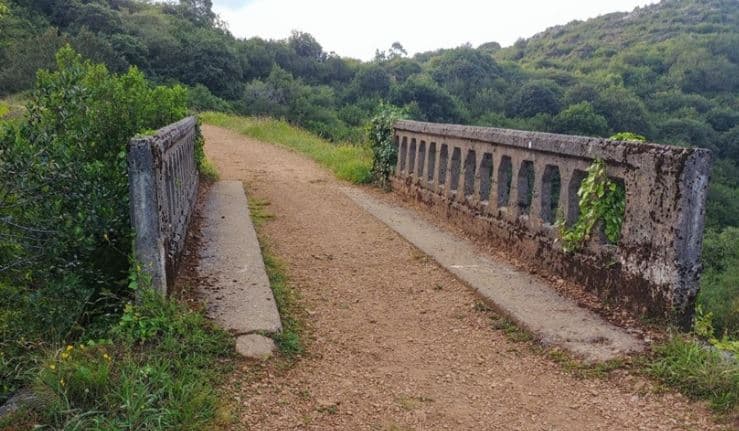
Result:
[
  {"x": 205, "y": 58},
  {"x": 98, "y": 18},
  {"x": 397, "y": 50},
  {"x": 465, "y": 72},
  {"x": 402, "y": 68},
  {"x": 428, "y": 101},
  {"x": 535, "y": 97},
  {"x": 98, "y": 49},
  {"x": 580, "y": 119},
  {"x": 687, "y": 132},
  {"x": 623, "y": 111},
  {"x": 306, "y": 46},
  {"x": 25, "y": 57},
  {"x": 198, "y": 12},
  {"x": 371, "y": 80}
]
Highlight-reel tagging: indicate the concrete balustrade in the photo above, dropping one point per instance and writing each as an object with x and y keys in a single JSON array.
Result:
[
  {"x": 163, "y": 186},
  {"x": 508, "y": 188}
]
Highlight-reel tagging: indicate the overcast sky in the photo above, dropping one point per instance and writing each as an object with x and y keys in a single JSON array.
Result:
[{"x": 356, "y": 28}]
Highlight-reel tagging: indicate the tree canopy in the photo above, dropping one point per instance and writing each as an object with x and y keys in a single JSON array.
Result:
[{"x": 668, "y": 71}]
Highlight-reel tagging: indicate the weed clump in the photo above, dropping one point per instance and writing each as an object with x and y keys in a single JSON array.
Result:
[{"x": 154, "y": 371}]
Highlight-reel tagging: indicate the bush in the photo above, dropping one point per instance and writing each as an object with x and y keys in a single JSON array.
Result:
[
  {"x": 381, "y": 136},
  {"x": 65, "y": 233}
]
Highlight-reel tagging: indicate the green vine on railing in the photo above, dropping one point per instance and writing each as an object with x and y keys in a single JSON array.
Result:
[
  {"x": 600, "y": 199},
  {"x": 380, "y": 134}
]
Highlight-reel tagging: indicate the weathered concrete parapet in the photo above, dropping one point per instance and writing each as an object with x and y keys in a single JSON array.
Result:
[
  {"x": 509, "y": 186},
  {"x": 163, "y": 185}
]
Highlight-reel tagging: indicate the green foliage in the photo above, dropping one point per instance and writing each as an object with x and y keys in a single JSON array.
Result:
[
  {"x": 601, "y": 199},
  {"x": 348, "y": 162},
  {"x": 655, "y": 72},
  {"x": 200, "y": 99},
  {"x": 628, "y": 136},
  {"x": 703, "y": 327},
  {"x": 425, "y": 100},
  {"x": 153, "y": 371},
  {"x": 32, "y": 319},
  {"x": 536, "y": 97},
  {"x": 64, "y": 219},
  {"x": 380, "y": 134},
  {"x": 284, "y": 97},
  {"x": 719, "y": 293},
  {"x": 72, "y": 150},
  {"x": 24, "y": 57},
  {"x": 582, "y": 119},
  {"x": 697, "y": 372}
]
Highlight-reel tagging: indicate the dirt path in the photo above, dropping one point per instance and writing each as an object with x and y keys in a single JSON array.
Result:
[{"x": 397, "y": 342}]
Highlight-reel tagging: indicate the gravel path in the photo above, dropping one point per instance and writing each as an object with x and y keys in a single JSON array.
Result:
[{"x": 396, "y": 342}]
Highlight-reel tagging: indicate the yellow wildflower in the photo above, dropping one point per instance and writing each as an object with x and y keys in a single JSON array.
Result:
[
  {"x": 52, "y": 366},
  {"x": 106, "y": 356}
]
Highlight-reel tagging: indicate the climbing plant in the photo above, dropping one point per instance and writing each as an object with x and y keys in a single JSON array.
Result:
[
  {"x": 600, "y": 199},
  {"x": 384, "y": 151}
]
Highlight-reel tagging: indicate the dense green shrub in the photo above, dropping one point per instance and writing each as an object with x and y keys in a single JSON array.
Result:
[
  {"x": 380, "y": 134},
  {"x": 65, "y": 234}
]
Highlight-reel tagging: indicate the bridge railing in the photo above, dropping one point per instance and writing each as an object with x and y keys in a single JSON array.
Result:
[
  {"x": 163, "y": 185},
  {"x": 509, "y": 187}
]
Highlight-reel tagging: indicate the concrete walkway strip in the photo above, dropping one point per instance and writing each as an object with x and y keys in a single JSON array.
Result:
[
  {"x": 237, "y": 295},
  {"x": 524, "y": 298}
]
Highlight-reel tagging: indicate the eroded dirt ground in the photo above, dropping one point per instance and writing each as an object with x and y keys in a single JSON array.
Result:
[{"x": 394, "y": 342}]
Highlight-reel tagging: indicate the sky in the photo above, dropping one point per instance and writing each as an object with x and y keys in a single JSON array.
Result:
[{"x": 353, "y": 28}]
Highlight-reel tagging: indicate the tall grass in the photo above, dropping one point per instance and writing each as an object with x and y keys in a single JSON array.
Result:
[{"x": 348, "y": 162}]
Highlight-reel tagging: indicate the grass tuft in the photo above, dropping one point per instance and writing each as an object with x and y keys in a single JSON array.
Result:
[
  {"x": 208, "y": 170},
  {"x": 290, "y": 339},
  {"x": 512, "y": 331},
  {"x": 155, "y": 370},
  {"x": 348, "y": 162},
  {"x": 697, "y": 372}
]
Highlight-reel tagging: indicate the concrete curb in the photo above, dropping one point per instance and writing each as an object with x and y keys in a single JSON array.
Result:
[{"x": 237, "y": 293}]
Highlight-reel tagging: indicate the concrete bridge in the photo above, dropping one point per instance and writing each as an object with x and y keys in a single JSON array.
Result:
[
  {"x": 506, "y": 187},
  {"x": 391, "y": 283}
]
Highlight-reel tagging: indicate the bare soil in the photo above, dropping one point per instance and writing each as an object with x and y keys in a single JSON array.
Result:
[{"x": 394, "y": 342}]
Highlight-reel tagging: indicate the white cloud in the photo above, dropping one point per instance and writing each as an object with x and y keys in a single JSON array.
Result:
[{"x": 357, "y": 28}]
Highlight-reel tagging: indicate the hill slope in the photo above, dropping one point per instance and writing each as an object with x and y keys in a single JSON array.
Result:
[{"x": 669, "y": 71}]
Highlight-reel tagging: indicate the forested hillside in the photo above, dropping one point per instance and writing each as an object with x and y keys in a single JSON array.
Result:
[{"x": 669, "y": 72}]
